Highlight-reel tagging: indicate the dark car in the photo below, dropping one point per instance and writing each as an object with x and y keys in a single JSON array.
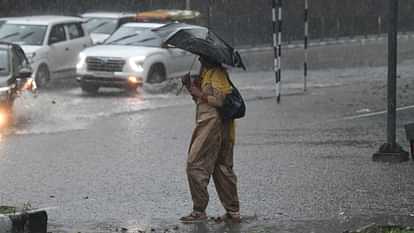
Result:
[{"x": 15, "y": 74}]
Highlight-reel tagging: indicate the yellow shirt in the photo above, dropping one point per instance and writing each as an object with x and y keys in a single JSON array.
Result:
[{"x": 215, "y": 84}]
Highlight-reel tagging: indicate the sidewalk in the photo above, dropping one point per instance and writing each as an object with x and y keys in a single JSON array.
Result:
[{"x": 342, "y": 53}]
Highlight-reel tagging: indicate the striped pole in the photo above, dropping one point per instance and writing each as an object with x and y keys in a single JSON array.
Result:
[
  {"x": 306, "y": 35},
  {"x": 277, "y": 43}
]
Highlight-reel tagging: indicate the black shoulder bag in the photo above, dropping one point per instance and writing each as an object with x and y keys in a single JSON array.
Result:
[{"x": 233, "y": 104}]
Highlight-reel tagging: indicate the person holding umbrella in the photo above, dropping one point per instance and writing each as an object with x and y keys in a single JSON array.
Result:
[
  {"x": 211, "y": 149},
  {"x": 212, "y": 142}
]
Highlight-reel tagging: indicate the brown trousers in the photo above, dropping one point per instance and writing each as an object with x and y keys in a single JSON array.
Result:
[{"x": 211, "y": 154}]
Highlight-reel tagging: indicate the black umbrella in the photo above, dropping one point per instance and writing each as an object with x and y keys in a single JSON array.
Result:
[{"x": 201, "y": 41}]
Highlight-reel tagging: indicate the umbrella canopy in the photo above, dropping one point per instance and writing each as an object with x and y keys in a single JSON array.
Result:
[{"x": 201, "y": 41}]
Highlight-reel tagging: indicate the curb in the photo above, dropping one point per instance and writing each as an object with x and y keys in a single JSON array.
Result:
[
  {"x": 329, "y": 41},
  {"x": 32, "y": 222}
]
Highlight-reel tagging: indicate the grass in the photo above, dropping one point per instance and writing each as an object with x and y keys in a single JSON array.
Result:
[
  {"x": 387, "y": 229},
  {"x": 12, "y": 209},
  {"x": 398, "y": 230},
  {"x": 7, "y": 210}
]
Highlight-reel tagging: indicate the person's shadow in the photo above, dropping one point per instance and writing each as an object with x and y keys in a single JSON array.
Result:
[
  {"x": 205, "y": 227},
  {"x": 229, "y": 228}
]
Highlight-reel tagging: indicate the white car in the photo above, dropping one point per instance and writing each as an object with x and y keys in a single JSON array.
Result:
[
  {"x": 52, "y": 43},
  {"x": 100, "y": 25},
  {"x": 131, "y": 56}
]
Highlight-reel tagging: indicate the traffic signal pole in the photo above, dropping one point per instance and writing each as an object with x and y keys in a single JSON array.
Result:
[
  {"x": 187, "y": 5},
  {"x": 391, "y": 151},
  {"x": 392, "y": 72}
]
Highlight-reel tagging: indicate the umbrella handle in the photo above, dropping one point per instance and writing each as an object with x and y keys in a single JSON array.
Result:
[
  {"x": 188, "y": 73},
  {"x": 192, "y": 64}
]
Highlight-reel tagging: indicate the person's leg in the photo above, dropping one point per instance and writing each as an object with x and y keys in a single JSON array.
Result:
[
  {"x": 200, "y": 165},
  {"x": 224, "y": 177},
  {"x": 225, "y": 180}
]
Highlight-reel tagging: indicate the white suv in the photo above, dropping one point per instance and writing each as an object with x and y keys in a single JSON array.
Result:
[
  {"x": 131, "y": 56},
  {"x": 52, "y": 43}
]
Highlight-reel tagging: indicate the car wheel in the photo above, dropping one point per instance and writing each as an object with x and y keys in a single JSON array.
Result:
[
  {"x": 88, "y": 88},
  {"x": 42, "y": 76},
  {"x": 156, "y": 74}
]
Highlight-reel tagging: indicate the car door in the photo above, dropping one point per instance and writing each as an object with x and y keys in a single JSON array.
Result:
[
  {"x": 58, "y": 48},
  {"x": 77, "y": 41}
]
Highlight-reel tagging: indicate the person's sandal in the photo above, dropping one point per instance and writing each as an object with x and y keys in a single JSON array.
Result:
[
  {"x": 233, "y": 218},
  {"x": 194, "y": 217}
]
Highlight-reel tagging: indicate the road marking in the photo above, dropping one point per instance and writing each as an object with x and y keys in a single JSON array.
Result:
[
  {"x": 47, "y": 208},
  {"x": 375, "y": 113}
]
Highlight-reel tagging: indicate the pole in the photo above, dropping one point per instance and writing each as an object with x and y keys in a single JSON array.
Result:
[
  {"x": 392, "y": 71},
  {"x": 187, "y": 5},
  {"x": 306, "y": 33},
  {"x": 277, "y": 43},
  {"x": 208, "y": 13},
  {"x": 391, "y": 151}
]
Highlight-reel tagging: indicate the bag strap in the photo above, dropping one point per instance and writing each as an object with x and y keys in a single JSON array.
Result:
[
  {"x": 231, "y": 83},
  {"x": 228, "y": 78}
]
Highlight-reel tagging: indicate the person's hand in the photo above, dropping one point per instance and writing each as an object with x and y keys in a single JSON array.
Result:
[
  {"x": 186, "y": 81},
  {"x": 195, "y": 91}
]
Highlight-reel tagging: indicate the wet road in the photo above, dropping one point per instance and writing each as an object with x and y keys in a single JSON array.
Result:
[{"x": 113, "y": 159}]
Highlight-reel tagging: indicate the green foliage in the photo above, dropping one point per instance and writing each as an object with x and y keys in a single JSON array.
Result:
[
  {"x": 12, "y": 209},
  {"x": 386, "y": 229},
  {"x": 7, "y": 209},
  {"x": 398, "y": 230}
]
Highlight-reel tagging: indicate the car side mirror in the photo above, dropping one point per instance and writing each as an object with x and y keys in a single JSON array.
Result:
[{"x": 25, "y": 73}]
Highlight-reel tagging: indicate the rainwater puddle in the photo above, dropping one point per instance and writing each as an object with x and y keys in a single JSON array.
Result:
[{"x": 71, "y": 110}]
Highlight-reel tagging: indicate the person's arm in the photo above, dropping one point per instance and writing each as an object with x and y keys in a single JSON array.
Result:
[{"x": 220, "y": 87}]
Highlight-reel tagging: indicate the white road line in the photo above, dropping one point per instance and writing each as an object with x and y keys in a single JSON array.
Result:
[
  {"x": 375, "y": 113},
  {"x": 47, "y": 208}
]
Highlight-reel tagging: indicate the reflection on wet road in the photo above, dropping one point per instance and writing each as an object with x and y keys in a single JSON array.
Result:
[{"x": 71, "y": 109}]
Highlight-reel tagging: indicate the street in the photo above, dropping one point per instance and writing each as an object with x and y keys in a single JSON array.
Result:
[{"x": 99, "y": 163}]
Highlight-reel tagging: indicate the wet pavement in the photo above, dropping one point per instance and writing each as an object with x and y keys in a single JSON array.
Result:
[{"x": 115, "y": 161}]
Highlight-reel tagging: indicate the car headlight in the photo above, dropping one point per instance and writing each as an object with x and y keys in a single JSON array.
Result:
[
  {"x": 137, "y": 63},
  {"x": 81, "y": 60}
]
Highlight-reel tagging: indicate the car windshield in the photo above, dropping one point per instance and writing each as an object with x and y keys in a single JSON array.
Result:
[
  {"x": 135, "y": 36},
  {"x": 101, "y": 25},
  {"x": 4, "y": 62},
  {"x": 23, "y": 34}
]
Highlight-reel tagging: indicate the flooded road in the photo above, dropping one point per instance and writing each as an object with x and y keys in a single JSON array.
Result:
[
  {"x": 64, "y": 107},
  {"x": 112, "y": 160}
]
